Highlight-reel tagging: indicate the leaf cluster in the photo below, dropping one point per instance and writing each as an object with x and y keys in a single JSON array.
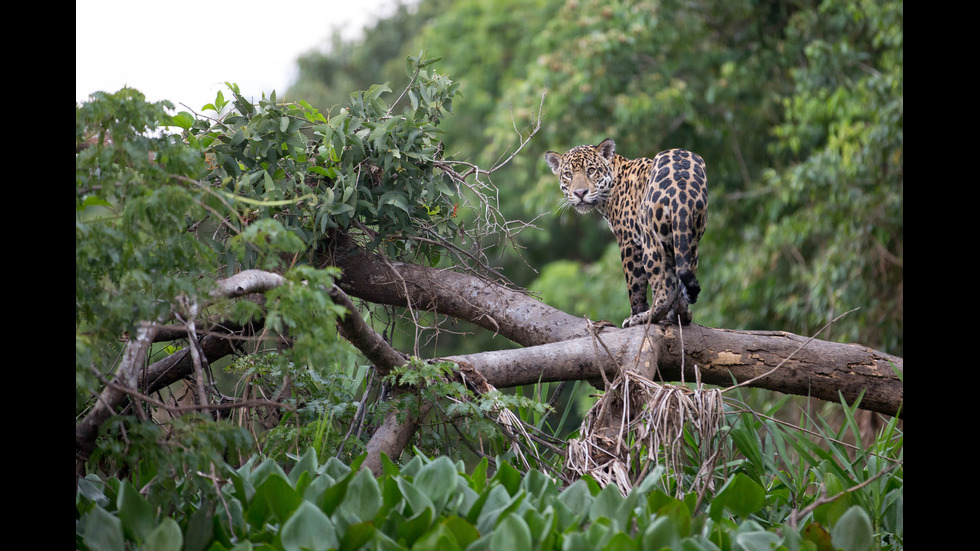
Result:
[
  {"x": 370, "y": 164},
  {"x": 796, "y": 107},
  {"x": 436, "y": 504}
]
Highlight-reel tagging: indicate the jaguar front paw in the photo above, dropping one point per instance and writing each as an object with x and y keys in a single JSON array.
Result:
[{"x": 636, "y": 319}]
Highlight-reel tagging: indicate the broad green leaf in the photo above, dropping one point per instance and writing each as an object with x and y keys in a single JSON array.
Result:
[
  {"x": 757, "y": 540},
  {"x": 416, "y": 499},
  {"x": 183, "y": 119},
  {"x": 607, "y": 504},
  {"x": 136, "y": 513},
  {"x": 853, "y": 531},
  {"x": 357, "y": 535},
  {"x": 363, "y": 498},
  {"x": 511, "y": 533},
  {"x": 437, "y": 480},
  {"x": 621, "y": 542},
  {"x": 165, "y": 537},
  {"x": 308, "y": 529},
  {"x": 478, "y": 480},
  {"x": 275, "y": 499},
  {"x": 815, "y": 533},
  {"x": 102, "y": 531},
  {"x": 464, "y": 532},
  {"x": 307, "y": 464},
  {"x": 577, "y": 497},
  {"x": 200, "y": 529},
  {"x": 439, "y": 538},
  {"x": 660, "y": 534},
  {"x": 740, "y": 496},
  {"x": 413, "y": 527},
  {"x": 487, "y": 509}
]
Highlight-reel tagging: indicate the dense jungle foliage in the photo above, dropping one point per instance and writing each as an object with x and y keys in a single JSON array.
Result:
[{"x": 797, "y": 108}]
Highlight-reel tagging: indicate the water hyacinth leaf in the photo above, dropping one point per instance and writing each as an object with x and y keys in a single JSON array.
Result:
[
  {"x": 165, "y": 537},
  {"x": 309, "y": 529},
  {"x": 740, "y": 496},
  {"x": 363, "y": 499},
  {"x": 437, "y": 481},
  {"x": 511, "y": 533},
  {"x": 102, "y": 530},
  {"x": 136, "y": 513},
  {"x": 274, "y": 499},
  {"x": 853, "y": 531}
]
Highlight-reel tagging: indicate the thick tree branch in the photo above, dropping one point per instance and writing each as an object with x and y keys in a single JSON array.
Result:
[
  {"x": 134, "y": 357},
  {"x": 496, "y": 308},
  {"x": 819, "y": 369},
  {"x": 560, "y": 346},
  {"x": 365, "y": 339}
]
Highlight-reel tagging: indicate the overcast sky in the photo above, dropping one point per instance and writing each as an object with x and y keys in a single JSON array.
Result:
[{"x": 184, "y": 50}]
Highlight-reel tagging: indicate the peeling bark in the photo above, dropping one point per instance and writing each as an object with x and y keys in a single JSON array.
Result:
[{"x": 558, "y": 346}]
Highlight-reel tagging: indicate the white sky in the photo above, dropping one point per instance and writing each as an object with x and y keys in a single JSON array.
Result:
[{"x": 184, "y": 51}]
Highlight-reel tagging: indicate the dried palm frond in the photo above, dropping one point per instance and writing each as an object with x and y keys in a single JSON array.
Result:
[{"x": 638, "y": 422}]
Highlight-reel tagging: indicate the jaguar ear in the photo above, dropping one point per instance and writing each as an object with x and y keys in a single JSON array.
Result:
[
  {"x": 607, "y": 149},
  {"x": 554, "y": 160}
]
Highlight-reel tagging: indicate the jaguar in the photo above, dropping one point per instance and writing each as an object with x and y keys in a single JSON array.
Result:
[{"x": 656, "y": 209}]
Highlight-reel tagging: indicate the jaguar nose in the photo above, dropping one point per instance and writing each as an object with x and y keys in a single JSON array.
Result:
[{"x": 580, "y": 193}]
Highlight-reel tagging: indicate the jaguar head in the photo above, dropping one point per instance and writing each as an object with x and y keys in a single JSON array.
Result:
[{"x": 584, "y": 174}]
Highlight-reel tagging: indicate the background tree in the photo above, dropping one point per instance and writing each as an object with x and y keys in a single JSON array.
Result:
[{"x": 767, "y": 93}]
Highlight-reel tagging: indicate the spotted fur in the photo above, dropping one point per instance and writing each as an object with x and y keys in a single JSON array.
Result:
[{"x": 656, "y": 208}]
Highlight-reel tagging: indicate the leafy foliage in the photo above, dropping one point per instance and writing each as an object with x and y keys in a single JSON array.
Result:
[
  {"x": 796, "y": 107},
  {"x": 436, "y": 504},
  {"x": 161, "y": 215}
]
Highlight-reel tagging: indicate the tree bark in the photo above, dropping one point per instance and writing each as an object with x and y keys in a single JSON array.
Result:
[
  {"x": 565, "y": 347},
  {"x": 558, "y": 346},
  {"x": 773, "y": 360}
]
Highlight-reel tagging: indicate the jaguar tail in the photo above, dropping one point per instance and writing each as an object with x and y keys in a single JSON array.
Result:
[{"x": 691, "y": 285}]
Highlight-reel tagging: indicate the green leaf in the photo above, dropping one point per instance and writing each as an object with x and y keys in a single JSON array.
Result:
[
  {"x": 416, "y": 499},
  {"x": 136, "y": 513},
  {"x": 306, "y": 464},
  {"x": 275, "y": 500},
  {"x": 309, "y": 529},
  {"x": 740, "y": 495},
  {"x": 511, "y": 533},
  {"x": 660, "y": 534},
  {"x": 607, "y": 504},
  {"x": 464, "y": 532},
  {"x": 363, "y": 498},
  {"x": 507, "y": 476},
  {"x": 183, "y": 119},
  {"x": 165, "y": 537},
  {"x": 414, "y": 527},
  {"x": 437, "y": 480},
  {"x": 357, "y": 535},
  {"x": 621, "y": 542},
  {"x": 102, "y": 531},
  {"x": 437, "y": 539},
  {"x": 758, "y": 540},
  {"x": 577, "y": 497},
  {"x": 478, "y": 480},
  {"x": 853, "y": 531}
]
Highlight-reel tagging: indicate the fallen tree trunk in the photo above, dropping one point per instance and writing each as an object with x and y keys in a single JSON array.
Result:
[
  {"x": 565, "y": 347},
  {"x": 807, "y": 367},
  {"x": 772, "y": 360},
  {"x": 559, "y": 346}
]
